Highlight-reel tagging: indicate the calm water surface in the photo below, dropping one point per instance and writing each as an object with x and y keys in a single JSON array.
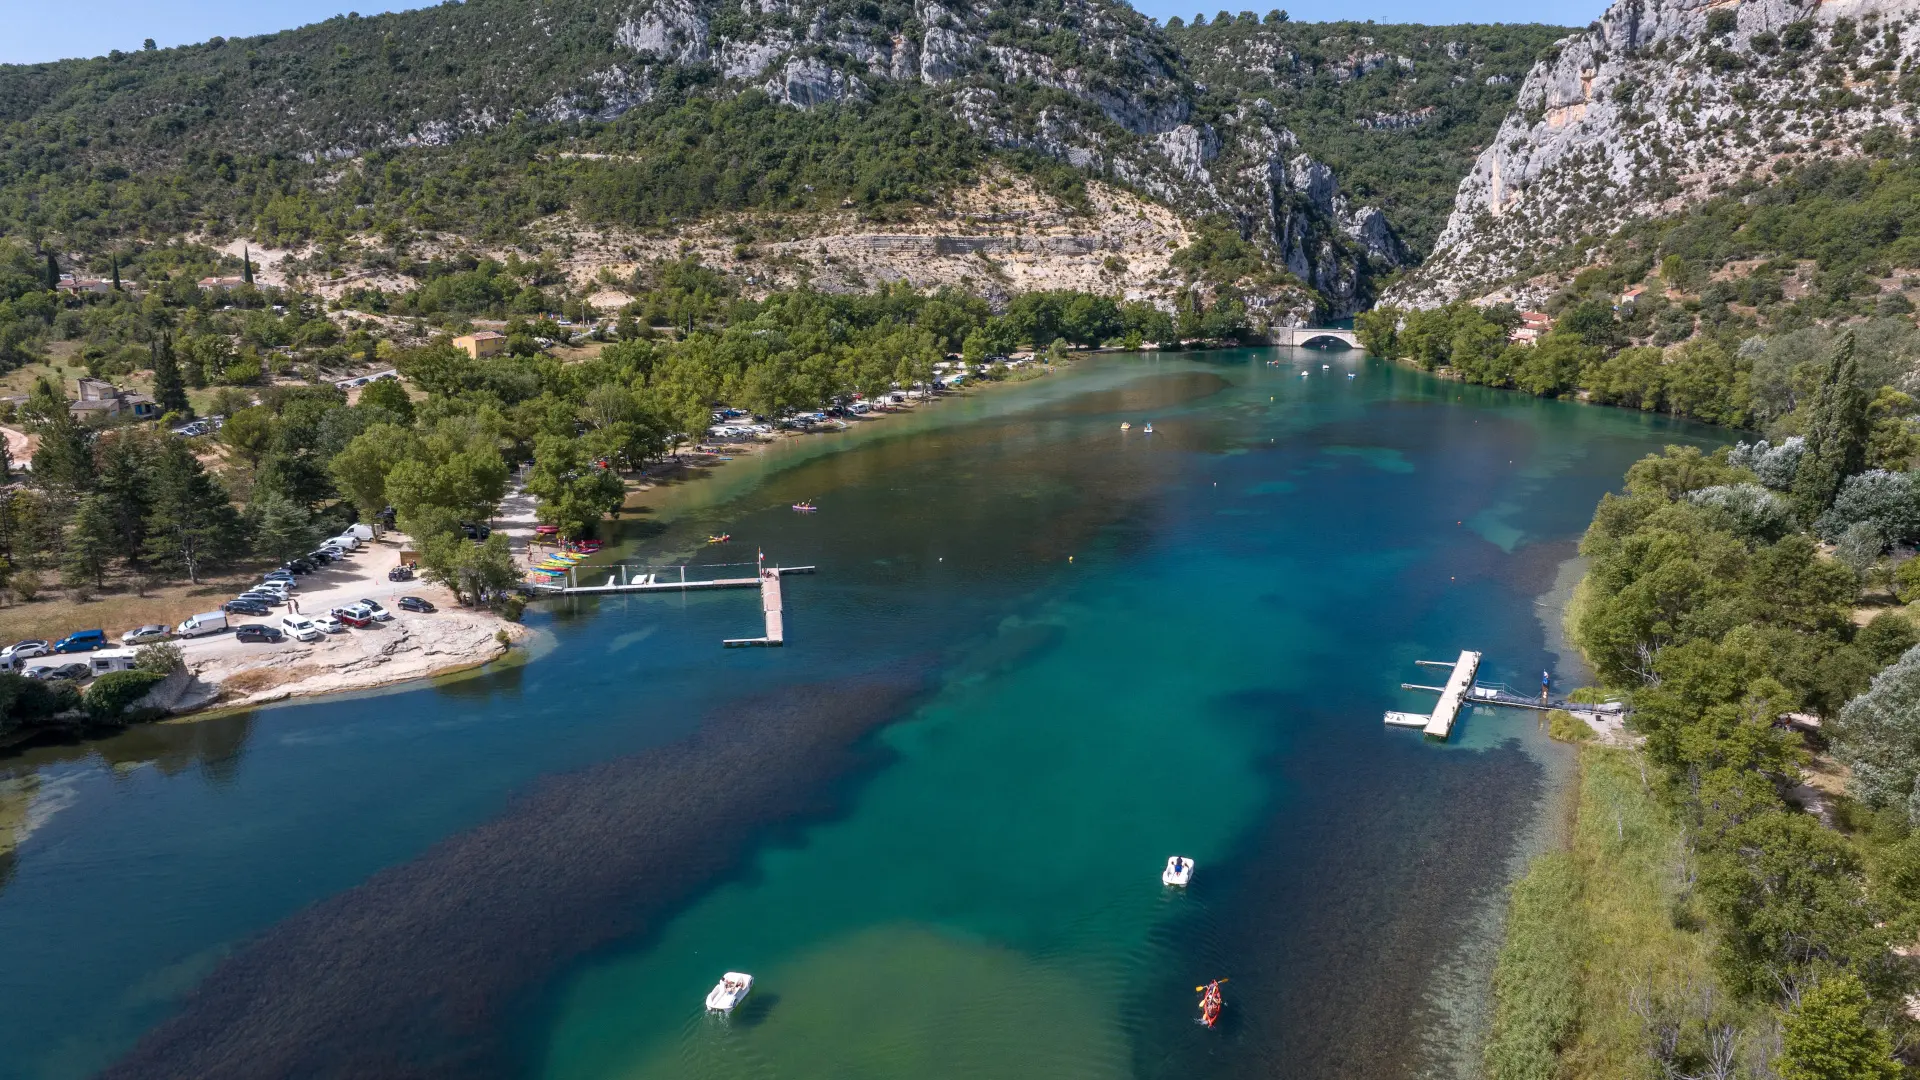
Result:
[{"x": 1041, "y": 655}]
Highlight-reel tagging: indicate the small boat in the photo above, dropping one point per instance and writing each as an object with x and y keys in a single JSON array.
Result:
[
  {"x": 730, "y": 991},
  {"x": 1124, "y": 426},
  {"x": 721, "y": 539},
  {"x": 1211, "y": 1002},
  {"x": 1324, "y": 367},
  {"x": 1351, "y": 375},
  {"x": 1179, "y": 871},
  {"x": 806, "y": 507},
  {"x": 1149, "y": 428}
]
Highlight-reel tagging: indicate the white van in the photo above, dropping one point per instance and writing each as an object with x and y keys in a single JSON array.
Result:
[
  {"x": 364, "y": 531},
  {"x": 301, "y": 628},
  {"x": 346, "y": 541},
  {"x": 207, "y": 622}
]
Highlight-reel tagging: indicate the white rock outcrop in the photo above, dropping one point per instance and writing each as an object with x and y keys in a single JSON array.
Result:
[{"x": 1660, "y": 104}]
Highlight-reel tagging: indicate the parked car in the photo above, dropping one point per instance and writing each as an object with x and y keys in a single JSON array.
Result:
[
  {"x": 353, "y": 617},
  {"x": 323, "y": 556},
  {"x": 301, "y": 628},
  {"x": 414, "y": 603},
  {"x": 400, "y": 573},
  {"x": 263, "y": 597},
  {"x": 298, "y": 566},
  {"x": 282, "y": 578},
  {"x": 25, "y": 650},
  {"x": 329, "y": 624},
  {"x": 81, "y": 641},
  {"x": 345, "y": 542},
  {"x": 278, "y": 588},
  {"x": 212, "y": 622},
  {"x": 78, "y": 672},
  {"x": 257, "y": 633},
  {"x": 244, "y": 606},
  {"x": 373, "y": 608},
  {"x": 142, "y": 635},
  {"x": 475, "y": 531}
]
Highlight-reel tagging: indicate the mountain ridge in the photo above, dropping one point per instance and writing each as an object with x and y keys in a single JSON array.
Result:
[{"x": 1086, "y": 83}]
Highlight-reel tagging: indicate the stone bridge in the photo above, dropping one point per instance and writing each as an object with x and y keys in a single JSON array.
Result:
[{"x": 1311, "y": 335}]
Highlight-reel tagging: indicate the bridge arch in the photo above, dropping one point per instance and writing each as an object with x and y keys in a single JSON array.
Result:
[{"x": 1314, "y": 335}]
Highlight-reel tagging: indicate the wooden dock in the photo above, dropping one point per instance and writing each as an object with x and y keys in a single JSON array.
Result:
[
  {"x": 623, "y": 579},
  {"x": 770, "y": 607},
  {"x": 1454, "y": 696}
]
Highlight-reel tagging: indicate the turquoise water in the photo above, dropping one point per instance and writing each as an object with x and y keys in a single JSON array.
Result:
[{"x": 1041, "y": 655}]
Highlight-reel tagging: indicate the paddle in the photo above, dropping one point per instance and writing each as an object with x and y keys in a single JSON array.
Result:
[{"x": 1202, "y": 989}]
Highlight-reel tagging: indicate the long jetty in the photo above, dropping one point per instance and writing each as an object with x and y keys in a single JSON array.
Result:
[
  {"x": 624, "y": 579},
  {"x": 1454, "y": 696}
]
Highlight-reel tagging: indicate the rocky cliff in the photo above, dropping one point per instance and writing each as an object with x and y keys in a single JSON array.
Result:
[{"x": 1660, "y": 104}]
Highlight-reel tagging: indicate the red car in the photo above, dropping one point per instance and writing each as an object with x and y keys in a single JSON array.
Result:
[{"x": 352, "y": 618}]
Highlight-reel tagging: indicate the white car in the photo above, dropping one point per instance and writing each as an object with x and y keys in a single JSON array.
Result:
[
  {"x": 301, "y": 628},
  {"x": 374, "y": 610},
  {"x": 329, "y": 624},
  {"x": 25, "y": 650}
]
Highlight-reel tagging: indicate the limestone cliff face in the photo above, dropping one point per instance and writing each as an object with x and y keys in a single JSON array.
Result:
[
  {"x": 1114, "y": 102},
  {"x": 1660, "y": 104}
]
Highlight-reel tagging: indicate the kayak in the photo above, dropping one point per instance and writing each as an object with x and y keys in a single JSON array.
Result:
[
  {"x": 721, "y": 539},
  {"x": 1211, "y": 1003},
  {"x": 805, "y": 507}
]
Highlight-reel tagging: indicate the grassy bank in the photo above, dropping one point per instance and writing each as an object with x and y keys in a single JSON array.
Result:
[{"x": 1606, "y": 955}]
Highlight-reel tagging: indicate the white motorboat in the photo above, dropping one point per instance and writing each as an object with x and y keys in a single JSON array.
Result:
[
  {"x": 1149, "y": 428},
  {"x": 731, "y": 990},
  {"x": 1179, "y": 871}
]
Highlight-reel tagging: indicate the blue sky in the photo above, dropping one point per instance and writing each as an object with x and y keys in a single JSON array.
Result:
[{"x": 40, "y": 30}]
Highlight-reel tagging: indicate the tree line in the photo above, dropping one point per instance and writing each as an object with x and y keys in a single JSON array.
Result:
[{"x": 1712, "y": 606}]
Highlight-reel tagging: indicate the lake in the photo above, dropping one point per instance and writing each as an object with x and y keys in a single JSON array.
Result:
[{"x": 1041, "y": 655}]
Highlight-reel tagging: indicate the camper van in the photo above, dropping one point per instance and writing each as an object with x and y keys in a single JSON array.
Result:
[{"x": 105, "y": 660}]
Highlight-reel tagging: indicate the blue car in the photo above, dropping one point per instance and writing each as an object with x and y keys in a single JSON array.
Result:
[{"x": 82, "y": 641}]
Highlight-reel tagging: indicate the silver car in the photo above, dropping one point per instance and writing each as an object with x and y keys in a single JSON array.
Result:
[{"x": 143, "y": 635}]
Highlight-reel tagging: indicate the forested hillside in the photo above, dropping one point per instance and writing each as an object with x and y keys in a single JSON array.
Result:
[{"x": 486, "y": 117}]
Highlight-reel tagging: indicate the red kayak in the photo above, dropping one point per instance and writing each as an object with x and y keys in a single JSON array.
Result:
[{"x": 1210, "y": 1003}]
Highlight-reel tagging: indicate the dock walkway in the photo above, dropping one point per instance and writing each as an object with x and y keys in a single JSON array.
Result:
[
  {"x": 623, "y": 579},
  {"x": 1454, "y": 696}
]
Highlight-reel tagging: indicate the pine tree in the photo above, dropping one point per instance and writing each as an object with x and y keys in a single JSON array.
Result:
[
  {"x": 53, "y": 272},
  {"x": 116, "y": 271},
  {"x": 90, "y": 543},
  {"x": 63, "y": 465},
  {"x": 168, "y": 389},
  {"x": 193, "y": 523},
  {"x": 126, "y": 481},
  {"x": 1838, "y": 423},
  {"x": 246, "y": 265},
  {"x": 282, "y": 528}
]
